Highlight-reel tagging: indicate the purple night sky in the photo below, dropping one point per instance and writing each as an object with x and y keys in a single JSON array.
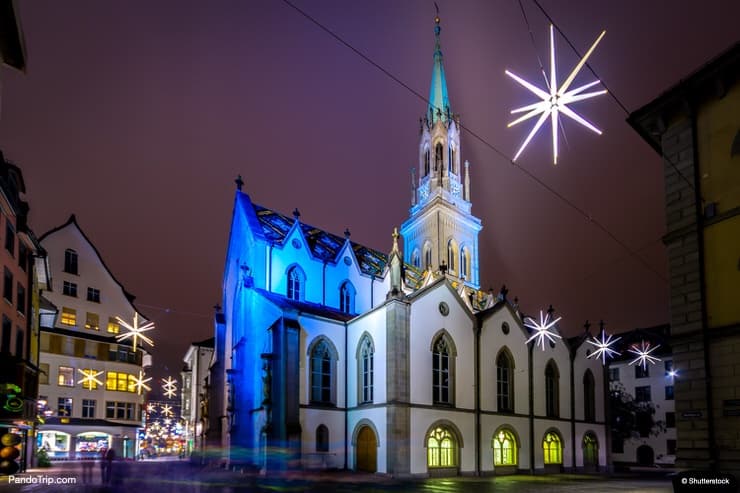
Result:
[{"x": 138, "y": 115}]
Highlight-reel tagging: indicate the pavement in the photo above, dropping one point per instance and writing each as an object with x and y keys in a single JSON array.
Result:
[{"x": 182, "y": 477}]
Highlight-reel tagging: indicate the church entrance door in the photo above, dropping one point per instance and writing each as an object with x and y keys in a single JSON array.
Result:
[{"x": 367, "y": 450}]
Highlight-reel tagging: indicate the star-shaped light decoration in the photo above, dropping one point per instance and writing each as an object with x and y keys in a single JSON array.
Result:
[
  {"x": 603, "y": 347},
  {"x": 167, "y": 410},
  {"x": 90, "y": 378},
  {"x": 169, "y": 386},
  {"x": 134, "y": 331},
  {"x": 140, "y": 382},
  {"x": 150, "y": 408},
  {"x": 643, "y": 354},
  {"x": 555, "y": 101},
  {"x": 542, "y": 329}
]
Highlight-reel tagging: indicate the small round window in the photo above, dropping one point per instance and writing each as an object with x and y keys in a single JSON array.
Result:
[
  {"x": 505, "y": 328},
  {"x": 296, "y": 243}
]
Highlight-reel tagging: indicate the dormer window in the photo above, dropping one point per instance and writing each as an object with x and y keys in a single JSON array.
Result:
[
  {"x": 347, "y": 298},
  {"x": 296, "y": 283}
]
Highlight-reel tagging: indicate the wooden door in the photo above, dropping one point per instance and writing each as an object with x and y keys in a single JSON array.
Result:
[{"x": 367, "y": 450}]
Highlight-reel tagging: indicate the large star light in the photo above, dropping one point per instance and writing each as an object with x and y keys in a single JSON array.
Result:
[
  {"x": 167, "y": 410},
  {"x": 643, "y": 354},
  {"x": 169, "y": 386},
  {"x": 140, "y": 383},
  {"x": 542, "y": 329},
  {"x": 603, "y": 347},
  {"x": 555, "y": 101},
  {"x": 90, "y": 378},
  {"x": 134, "y": 331}
]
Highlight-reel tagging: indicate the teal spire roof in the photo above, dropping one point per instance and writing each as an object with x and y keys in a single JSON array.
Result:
[{"x": 439, "y": 101}]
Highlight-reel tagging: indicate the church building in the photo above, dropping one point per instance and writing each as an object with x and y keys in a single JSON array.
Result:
[{"x": 330, "y": 354}]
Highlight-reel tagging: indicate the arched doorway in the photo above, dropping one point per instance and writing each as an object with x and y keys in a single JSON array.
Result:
[
  {"x": 366, "y": 450},
  {"x": 590, "y": 447},
  {"x": 645, "y": 455}
]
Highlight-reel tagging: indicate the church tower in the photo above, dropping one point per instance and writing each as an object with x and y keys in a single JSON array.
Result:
[{"x": 441, "y": 233}]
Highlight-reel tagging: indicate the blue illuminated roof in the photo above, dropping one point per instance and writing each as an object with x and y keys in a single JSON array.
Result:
[{"x": 323, "y": 245}]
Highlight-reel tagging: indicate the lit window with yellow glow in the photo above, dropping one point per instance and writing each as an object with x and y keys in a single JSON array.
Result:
[
  {"x": 504, "y": 449},
  {"x": 113, "y": 327},
  {"x": 89, "y": 380},
  {"x": 118, "y": 381},
  {"x": 552, "y": 449},
  {"x": 441, "y": 449},
  {"x": 66, "y": 376},
  {"x": 93, "y": 321},
  {"x": 69, "y": 316}
]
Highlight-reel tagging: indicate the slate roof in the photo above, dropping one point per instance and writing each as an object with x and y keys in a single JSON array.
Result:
[{"x": 323, "y": 245}]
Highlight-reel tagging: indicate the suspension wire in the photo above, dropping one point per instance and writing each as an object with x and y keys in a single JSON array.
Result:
[
  {"x": 487, "y": 144},
  {"x": 534, "y": 45},
  {"x": 610, "y": 92}
]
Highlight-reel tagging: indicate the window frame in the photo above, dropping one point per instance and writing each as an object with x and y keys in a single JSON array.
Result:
[
  {"x": 322, "y": 367},
  {"x": 71, "y": 262}
]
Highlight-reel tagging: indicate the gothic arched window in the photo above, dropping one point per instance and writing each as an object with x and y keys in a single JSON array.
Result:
[
  {"x": 465, "y": 262},
  {"x": 552, "y": 448},
  {"x": 589, "y": 396},
  {"x": 552, "y": 382},
  {"x": 451, "y": 165},
  {"x": 347, "y": 297},
  {"x": 504, "y": 448},
  {"x": 427, "y": 256},
  {"x": 442, "y": 371},
  {"x": 427, "y": 159},
  {"x": 441, "y": 448},
  {"x": 322, "y": 373},
  {"x": 415, "y": 258},
  {"x": 504, "y": 382},
  {"x": 438, "y": 156},
  {"x": 365, "y": 369},
  {"x": 451, "y": 255},
  {"x": 296, "y": 283}
]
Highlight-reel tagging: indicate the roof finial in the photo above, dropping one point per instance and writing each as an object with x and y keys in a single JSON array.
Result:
[
  {"x": 395, "y": 240},
  {"x": 239, "y": 183},
  {"x": 296, "y": 213},
  {"x": 347, "y": 234}
]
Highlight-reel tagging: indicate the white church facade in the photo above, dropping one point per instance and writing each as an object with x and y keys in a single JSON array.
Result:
[{"x": 329, "y": 354}]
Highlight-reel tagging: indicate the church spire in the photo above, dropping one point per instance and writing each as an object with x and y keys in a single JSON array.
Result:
[
  {"x": 439, "y": 101},
  {"x": 441, "y": 229}
]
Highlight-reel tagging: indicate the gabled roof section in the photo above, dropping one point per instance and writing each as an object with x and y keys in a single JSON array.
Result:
[
  {"x": 275, "y": 228},
  {"x": 301, "y": 306},
  {"x": 73, "y": 221}
]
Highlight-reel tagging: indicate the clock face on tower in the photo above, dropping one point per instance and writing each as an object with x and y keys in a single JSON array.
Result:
[{"x": 444, "y": 309}]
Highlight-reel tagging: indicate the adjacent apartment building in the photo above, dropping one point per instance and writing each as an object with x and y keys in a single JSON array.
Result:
[
  {"x": 24, "y": 268},
  {"x": 193, "y": 394},
  {"x": 88, "y": 387},
  {"x": 695, "y": 127},
  {"x": 653, "y": 442}
]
